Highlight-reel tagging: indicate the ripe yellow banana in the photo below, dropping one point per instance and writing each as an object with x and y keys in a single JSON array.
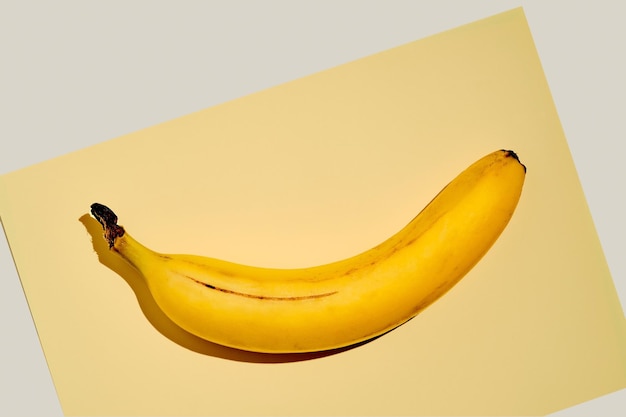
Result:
[{"x": 341, "y": 303}]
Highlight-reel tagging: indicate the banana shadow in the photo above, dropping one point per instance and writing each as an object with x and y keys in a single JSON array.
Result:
[{"x": 167, "y": 327}]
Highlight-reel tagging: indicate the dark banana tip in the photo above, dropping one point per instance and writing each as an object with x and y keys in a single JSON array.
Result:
[
  {"x": 108, "y": 220},
  {"x": 508, "y": 152}
]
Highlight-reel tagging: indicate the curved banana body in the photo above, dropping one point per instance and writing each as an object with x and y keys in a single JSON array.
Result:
[{"x": 341, "y": 303}]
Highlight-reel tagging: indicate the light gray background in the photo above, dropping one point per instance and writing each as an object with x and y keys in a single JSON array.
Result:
[{"x": 77, "y": 73}]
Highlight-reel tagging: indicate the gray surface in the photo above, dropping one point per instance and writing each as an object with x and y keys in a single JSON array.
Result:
[{"x": 78, "y": 73}]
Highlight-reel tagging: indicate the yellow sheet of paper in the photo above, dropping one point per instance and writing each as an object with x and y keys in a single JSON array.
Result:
[{"x": 312, "y": 171}]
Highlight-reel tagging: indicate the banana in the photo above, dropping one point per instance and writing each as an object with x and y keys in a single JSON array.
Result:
[{"x": 341, "y": 303}]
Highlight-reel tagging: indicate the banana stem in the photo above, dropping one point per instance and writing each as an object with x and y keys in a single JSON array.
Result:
[{"x": 108, "y": 220}]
